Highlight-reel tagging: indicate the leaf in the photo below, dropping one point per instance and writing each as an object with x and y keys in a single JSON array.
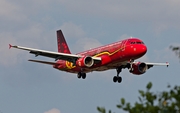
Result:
[
  {"x": 175, "y": 48},
  {"x": 172, "y": 92},
  {"x": 165, "y": 95},
  {"x": 141, "y": 93},
  {"x": 155, "y": 97},
  {"x": 149, "y": 85},
  {"x": 122, "y": 101},
  {"x": 140, "y": 99},
  {"x": 101, "y": 109},
  {"x": 128, "y": 106},
  {"x": 175, "y": 87},
  {"x": 119, "y": 106},
  {"x": 149, "y": 98}
]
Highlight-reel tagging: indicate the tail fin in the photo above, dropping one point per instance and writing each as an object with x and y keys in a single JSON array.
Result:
[{"x": 62, "y": 45}]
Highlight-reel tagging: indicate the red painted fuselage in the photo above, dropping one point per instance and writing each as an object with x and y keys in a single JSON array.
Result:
[{"x": 112, "y": 56}]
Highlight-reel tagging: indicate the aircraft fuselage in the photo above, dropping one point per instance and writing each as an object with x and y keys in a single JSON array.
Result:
[{"x": 112, "y": 55}]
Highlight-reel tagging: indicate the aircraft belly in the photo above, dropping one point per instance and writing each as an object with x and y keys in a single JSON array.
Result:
[
  {"x": 68, "y": 67},
  {"x": 109, "y": 66}
]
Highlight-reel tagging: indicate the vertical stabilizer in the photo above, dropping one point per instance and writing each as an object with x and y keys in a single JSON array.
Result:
[{"x": 62, "y": 45}]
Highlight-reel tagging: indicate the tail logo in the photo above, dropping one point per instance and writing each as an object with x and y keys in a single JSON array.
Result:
[{"x": 62, "y": 45}]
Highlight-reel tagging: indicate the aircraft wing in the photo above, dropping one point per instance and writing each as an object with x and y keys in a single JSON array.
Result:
[
  {"x": 43, "y": 62},
  {"x": 55, "y": 55},
  {"x": 156, "y": 64}
]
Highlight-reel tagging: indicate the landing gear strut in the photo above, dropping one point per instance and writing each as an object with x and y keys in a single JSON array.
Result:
[
  {"x": 81, "y": 75},
  {"x": 129, "y": 66},
  {"x": 118, "y": 78}
]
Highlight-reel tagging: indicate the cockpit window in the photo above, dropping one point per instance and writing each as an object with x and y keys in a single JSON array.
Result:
[
  {"x": 142, "y": 42},
  {"x": 138, "y": 42}
]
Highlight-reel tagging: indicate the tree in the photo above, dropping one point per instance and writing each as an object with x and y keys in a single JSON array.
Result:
[{"x": 151, "y": 102}]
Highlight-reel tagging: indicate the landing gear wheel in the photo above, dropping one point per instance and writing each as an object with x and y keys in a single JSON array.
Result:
[
  {"x": 83, "y": 75},
  {"x": 115, "y": 78},
  {"x": 119, "y": 79},
  {"x": 131, "y": 70},
  {"x": 79, "y": 75}
]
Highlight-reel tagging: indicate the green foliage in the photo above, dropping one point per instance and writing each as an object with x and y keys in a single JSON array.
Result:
[
  {"x": 176, "y": 50},
  {"x": 122, "y": 101},
  {"x": 149, "y": 85},
  {"x": 150, "y": 102},
  {"x": 102, "y": 110}
]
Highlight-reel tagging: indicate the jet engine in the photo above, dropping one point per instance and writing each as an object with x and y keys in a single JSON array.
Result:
[
  {"x": 85, "y": 61},
  {"x": 139, "y": 68}
]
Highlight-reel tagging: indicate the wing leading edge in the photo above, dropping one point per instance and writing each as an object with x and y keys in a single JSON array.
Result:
[
  {"x": 156, "y": 64},
  {"x": 55, "y": 55}
]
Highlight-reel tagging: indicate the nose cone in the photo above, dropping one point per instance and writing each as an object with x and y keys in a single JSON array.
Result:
[{"x": 142, "y": 50}]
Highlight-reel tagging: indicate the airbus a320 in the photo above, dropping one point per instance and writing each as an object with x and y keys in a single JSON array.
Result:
[{"x": 119, "y": 55}]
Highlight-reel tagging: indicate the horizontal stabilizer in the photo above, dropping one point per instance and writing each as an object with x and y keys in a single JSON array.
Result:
[{"x": 43, "y": 62}]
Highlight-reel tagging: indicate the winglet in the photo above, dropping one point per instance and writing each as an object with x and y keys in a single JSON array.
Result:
[{"x": 10, "y": 46}]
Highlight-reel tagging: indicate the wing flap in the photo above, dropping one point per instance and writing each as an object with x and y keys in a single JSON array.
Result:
[{"x": 43, "y": 62}]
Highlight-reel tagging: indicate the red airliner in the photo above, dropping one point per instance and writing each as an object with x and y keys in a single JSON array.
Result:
[{"x": 118, "y": 55}]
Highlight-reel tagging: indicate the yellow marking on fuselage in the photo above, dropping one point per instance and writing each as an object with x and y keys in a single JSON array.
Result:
[
  {"x": 102, "y": 53},
  {"x": 69, "y": 65}
]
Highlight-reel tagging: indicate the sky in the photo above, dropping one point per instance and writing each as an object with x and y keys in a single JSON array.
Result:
[{"x": 27, "y": 87}]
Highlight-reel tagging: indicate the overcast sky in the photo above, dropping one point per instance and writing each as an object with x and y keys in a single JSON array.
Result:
[{"x": 27, "y": 87}]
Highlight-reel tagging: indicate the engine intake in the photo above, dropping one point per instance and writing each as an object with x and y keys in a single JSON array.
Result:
[
  {"x": 139, "y": 68},
  {"x": 85, "y": 62}
]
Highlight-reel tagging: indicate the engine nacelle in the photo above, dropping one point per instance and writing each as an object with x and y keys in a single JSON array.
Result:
[
  {"x": 139, "y": 68},
  {"x": 85, "y": 62}
]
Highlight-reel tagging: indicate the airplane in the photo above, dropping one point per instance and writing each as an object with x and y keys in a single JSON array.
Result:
[{"x": 118, "y": 55}]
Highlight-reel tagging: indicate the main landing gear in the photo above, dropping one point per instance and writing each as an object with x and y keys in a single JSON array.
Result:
[
  {"x": 81, "y": 75},
  {"x": 119, "y": 69},
  {"x": 118, "y": 78}
]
